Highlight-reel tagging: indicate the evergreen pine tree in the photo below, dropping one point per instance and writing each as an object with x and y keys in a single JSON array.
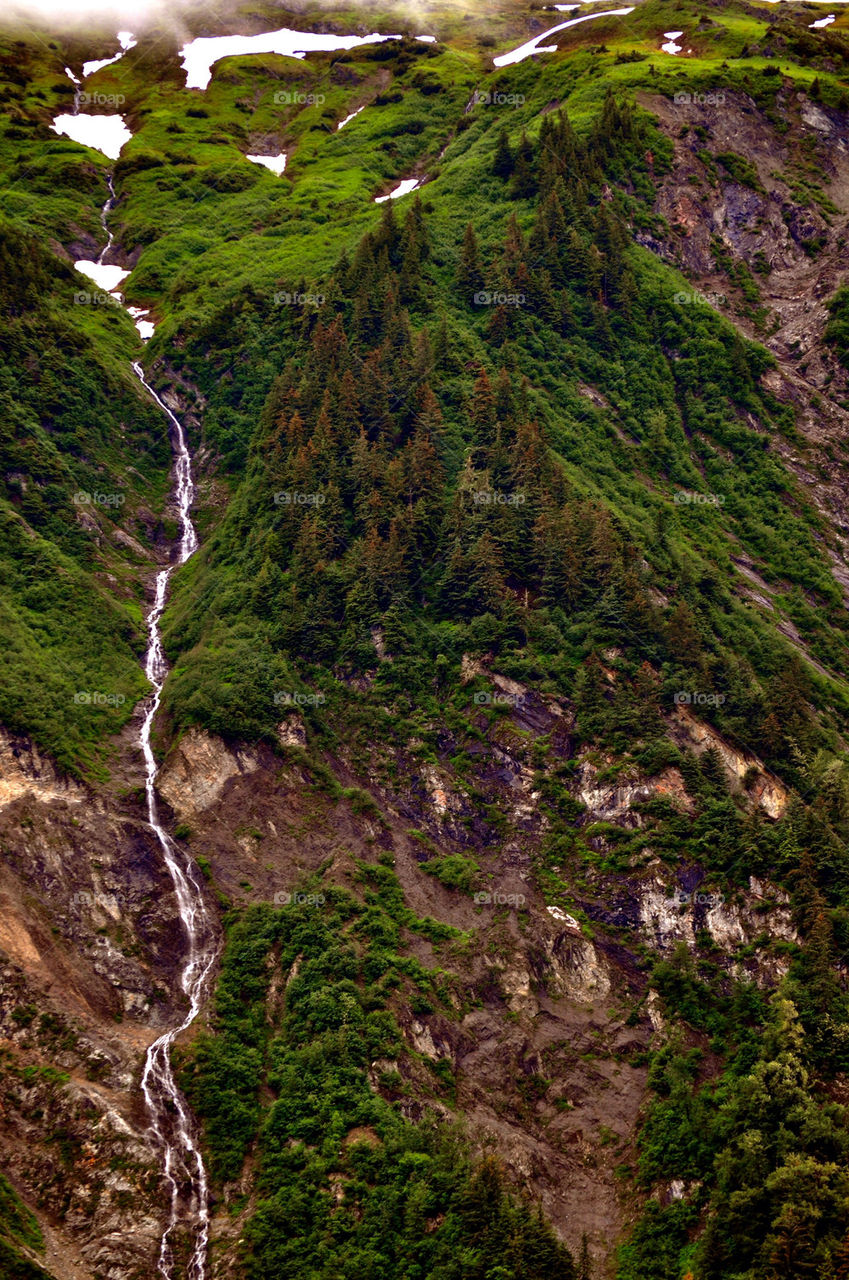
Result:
[
  {"x": 469, "y": 273},
  {"x": 502, "y": 164}
]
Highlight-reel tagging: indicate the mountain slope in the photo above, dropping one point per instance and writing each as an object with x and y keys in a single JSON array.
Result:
[{"x": 508, "y": 705}]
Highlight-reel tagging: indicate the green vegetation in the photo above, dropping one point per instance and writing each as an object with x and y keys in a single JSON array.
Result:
[
  {"x": 82, "y": 450},
  {"x": 18, "y": 1226},
  {"x": 472, "y": 431},
  {"x": 303, "y": 1021}
]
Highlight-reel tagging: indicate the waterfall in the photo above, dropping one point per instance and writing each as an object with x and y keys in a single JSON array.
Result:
[{"x": 171, "y": 1123}]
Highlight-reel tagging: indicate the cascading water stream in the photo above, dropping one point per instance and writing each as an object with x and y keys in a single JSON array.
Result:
[
  {"x": 104, "y": 213},
  {"x": 170, "y": 1121}
]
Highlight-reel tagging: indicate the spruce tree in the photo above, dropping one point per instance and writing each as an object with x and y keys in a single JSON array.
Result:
[
  {"x": 502, "y": 164},
  {"x": 469, "y": 273}
]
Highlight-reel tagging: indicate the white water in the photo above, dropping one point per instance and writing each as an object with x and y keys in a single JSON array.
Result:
[
  {"x": 535, "y": 45},
  {"x": 103, "y": 274},
  {"x": 171, "y": 1123},
  {"x": 104, "y": 214}
]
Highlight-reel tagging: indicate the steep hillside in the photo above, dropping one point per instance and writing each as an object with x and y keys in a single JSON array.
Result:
[{"x": 508, "y": 704}]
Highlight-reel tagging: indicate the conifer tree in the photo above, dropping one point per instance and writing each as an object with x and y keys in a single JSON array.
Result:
[
  {"x": 502, "y": 164},
  {"x": 469, "y": 273},
  {"x": 523, "y": 184}
]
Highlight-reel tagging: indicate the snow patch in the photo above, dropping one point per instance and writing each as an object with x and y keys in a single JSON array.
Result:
[
  {"x": 563, "y": 917},
  {"x": 275, "y": 163},
  {"x": 145, "y": 327},
  {"x": 105, "y": 133},
  {"x": 342, "y": 123},
  {"x": 104, "y": 277},
  {"x": 533, "y": 46},
  {"x": 125, "y": 40},
  {"x": 403, "y": 188},
  {"x": 199, "y": 55},
  {"x": 822, "y": 22},
  {"x": 671, "y": 46}
]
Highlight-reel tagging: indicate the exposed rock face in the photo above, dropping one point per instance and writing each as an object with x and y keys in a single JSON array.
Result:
[
  {"x": 765, "y": 789},
  {"x": 533, "y": 996},
  {"x": 25, "y": 772},
  {"x": 615, "y": 802},
  {"x": 578, "y": 970},
  {"x": 796, "y": 252},
  {"x": 73, "y": 1140},
  {"x": 198, "y": 769},
  {"x": 89, "y": 938},
  {"x": 670, "y": 915}
]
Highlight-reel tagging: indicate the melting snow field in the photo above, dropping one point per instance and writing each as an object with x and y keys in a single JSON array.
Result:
[
  {"x": 671, "y": 37},
  {"x": 823, "y": 22},
  {"x": 409, "y": 184},
  {"x": 342, "y": 123},
  {"x": 145, "y": 327},
  {"x": 199, "y": 55},
  {"x": 104, "y": 277},
  {"x": 105, "y": 133},
  {"x": 535, "y": 45},
  {"x": 108, "y": 279},
  {"x": 275, "y": 163},
  {"x": 125, "y": 40}
]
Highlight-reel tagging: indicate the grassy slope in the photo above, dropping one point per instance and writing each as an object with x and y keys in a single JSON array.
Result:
[{"x": 76, "y": 423}]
